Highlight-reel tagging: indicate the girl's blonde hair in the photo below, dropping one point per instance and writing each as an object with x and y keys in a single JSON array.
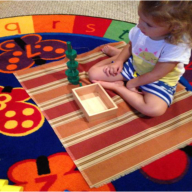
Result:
[{"x": 177, "y": 14}]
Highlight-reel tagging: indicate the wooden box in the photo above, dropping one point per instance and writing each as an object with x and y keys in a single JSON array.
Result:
[{"x": 94, "y": 101}]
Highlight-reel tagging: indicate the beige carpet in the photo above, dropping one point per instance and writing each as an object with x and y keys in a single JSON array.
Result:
[{"x": 119, "y": 10}]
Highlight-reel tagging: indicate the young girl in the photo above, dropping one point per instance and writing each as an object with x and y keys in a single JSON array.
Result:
[{"x": 153, "y": 61}]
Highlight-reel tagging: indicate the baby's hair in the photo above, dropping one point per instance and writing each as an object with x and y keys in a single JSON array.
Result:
[{"x": 177, "y": 14}]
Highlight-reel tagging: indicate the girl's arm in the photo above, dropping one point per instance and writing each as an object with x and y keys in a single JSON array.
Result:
[
  {"x": 117, "y": 65},
  {"x": 160, "y": 70},
  {"x": 125, "y": 53}
]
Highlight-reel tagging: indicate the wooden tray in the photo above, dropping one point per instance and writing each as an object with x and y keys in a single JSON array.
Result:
[{"x": 94, "y": 101}]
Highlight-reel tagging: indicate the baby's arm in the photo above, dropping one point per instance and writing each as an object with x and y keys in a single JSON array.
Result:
[
  {"x": 160, "y": 70},
  {"x": 117, "y": 65}
]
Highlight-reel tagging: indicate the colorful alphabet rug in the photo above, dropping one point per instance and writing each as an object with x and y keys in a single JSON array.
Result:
[{"x": 45, "y": 142}]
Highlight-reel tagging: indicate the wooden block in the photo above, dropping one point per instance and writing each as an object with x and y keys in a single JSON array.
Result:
[{"x": 94, "y": 101}]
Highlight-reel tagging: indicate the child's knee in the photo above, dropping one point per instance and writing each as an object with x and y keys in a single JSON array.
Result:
[
  {"x": 154, "y": 111},
  {"x": 92, "y": 74}
]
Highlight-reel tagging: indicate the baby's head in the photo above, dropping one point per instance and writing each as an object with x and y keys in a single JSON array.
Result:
[{"x": 175, "y": 15}]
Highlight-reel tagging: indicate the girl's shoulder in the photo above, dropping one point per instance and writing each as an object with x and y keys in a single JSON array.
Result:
[
  {"x": 180, "y": 52},
  {"x": 174, "y": 47}
]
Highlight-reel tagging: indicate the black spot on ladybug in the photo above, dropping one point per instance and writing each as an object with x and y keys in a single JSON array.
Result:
[
  {"x": 43, "y": 165},
  {"x": 7, "y": 89}
]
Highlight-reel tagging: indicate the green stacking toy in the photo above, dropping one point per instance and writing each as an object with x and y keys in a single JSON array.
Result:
[{"x": 72, "y": 72}]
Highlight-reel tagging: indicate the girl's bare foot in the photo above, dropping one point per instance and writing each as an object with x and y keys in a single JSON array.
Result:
[
  {"x": 109, "y": 85},
  {"x": 110, "y": 51}
]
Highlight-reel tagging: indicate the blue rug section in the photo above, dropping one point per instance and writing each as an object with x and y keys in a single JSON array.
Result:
[
  {"x": 184, "y": 82},
  {"x": 44, "y": 142}
]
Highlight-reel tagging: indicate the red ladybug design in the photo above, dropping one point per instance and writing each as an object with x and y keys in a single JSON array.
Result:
[
  {"x": 19, "y": 118},
  {"x": 24, "y": 52}
]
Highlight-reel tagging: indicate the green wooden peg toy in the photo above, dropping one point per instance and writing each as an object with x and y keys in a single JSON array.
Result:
[{"x": 72, "y": 72}]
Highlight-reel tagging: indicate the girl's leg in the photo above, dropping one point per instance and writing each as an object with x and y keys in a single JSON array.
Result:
[
  {"x": 96, "y": 71},
  {"x": 148, "y": 104},
  {"x": 111, "y": 51}
]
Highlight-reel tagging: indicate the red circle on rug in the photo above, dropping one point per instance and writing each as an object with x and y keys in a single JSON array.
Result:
[{"x": 168, "y": 169}]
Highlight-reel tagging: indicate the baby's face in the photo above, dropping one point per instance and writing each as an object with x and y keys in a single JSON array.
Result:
[{"x": 151, "y": 28}]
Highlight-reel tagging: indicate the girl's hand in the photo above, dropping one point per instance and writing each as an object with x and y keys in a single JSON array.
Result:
[
  {"x": 113, "y": 69},
  {"x": 133, "y": 89}
]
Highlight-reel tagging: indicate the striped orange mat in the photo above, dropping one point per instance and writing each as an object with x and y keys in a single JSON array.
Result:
[{"x": 106, "y": 149}]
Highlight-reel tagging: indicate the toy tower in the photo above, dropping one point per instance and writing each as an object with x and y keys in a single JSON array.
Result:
[{"x": 72, "y": 72}]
